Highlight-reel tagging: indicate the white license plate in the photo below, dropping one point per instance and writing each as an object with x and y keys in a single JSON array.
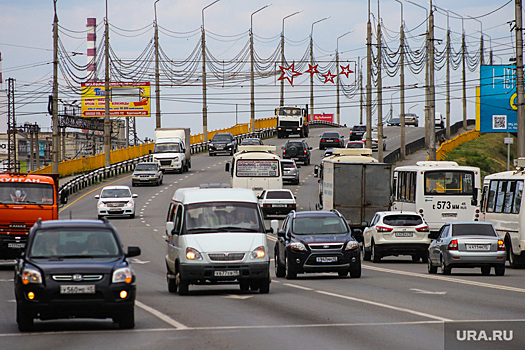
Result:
[
  {"x": 279, "y": 205},
  {"x": 227, "y": 273},
  {"x": 16, "y": 245},
  {"x": 74, "y": 289},
  {"x": 478, "y": 246},
  {"x": 326, "y": 259},
  {"x": 403, "y": 234}
]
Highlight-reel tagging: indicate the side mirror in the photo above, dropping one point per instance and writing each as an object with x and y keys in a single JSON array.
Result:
[
  {"x": 133, "y": 251},
  {"x": 384, "y": 136},
  {"x": 227, "y": 167},
  {"x": 63, "y": 197},
  {"x": 281, "y": 233},
  {"x": 134, "y": 195},
  {"x": 316, "y": 171},
  {"x": 310, "y": 148},
  {"x": 282, "y": 147},
  {"x": 274, "y": 224},
  {"x": 364, "y": 224},
  {"x": 97, "y": 197},
  {"x": 170, "y": 226}
]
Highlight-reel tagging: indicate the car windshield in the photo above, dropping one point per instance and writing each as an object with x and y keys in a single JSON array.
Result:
[
  {"x": 473, "y": 230},
  {"x": 146, "y": 167},
  {"x": 279, "y": 195},
  {"x": 355, "y": 145},
  {"x": 318, "y": 225},
  {"x": 287, "y": 165},
  {"x": 251, "y": 142},
  {"x": 402, "y": 220},
  {"x": 221, "y": 138},
  {"x": 73, "y": 243},
  {"x": 395, "y": 120},
  {"x": 166, "y": 148},
  {"x": 116, "y": 193},
  {"x": 333, "y": 135},
  {"x": 359, "y": 128},
  {"x": 222, "y": 217},
  {"x": 294, "y": 144}
]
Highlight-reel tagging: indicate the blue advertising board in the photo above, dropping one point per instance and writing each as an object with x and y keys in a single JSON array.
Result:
[{"x": 498, "y": 98}]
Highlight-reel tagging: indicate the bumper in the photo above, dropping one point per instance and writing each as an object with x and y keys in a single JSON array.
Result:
[
  {"x": 287, "y": 178},
  {"x": 202, "y": 273},
  {"x": 119, "y": 212},
  {"x": 148, "y": 180},
  {"x": 277, "y": 210},
  {"x": 475, "y": 259},
  {"x": 11, "y": 245},
  {"x": 402, "y": 248},
  {"x": 302, "y": 262}
]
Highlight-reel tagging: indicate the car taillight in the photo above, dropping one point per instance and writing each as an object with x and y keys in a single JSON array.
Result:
[
  {"x": 453, "y": 245},
  {"x": 383, "y": 229},
  {"x": 291, "y": 205},
  {"x": 336, "y": 140},
  {"x": 422, "y": 229},
  {"x": 284, "y": 151},
  {"x": 322, "y": 140},
  {"x": 267, "y": 205},
  {"x": 304, "y": 151},
  {"x": 501, "y": 245}
]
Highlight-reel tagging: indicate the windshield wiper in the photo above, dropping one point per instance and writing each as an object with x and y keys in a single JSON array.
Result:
[
  {"x": 200, "y": 230},
  {"x": 235, "y": 229},
  {"x": 33, "y": 202}
]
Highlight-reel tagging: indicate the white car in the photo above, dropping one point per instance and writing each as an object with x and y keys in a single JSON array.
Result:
[
  {"x": 277, "y": 202},
  {"x": 396, "y": 233},
  {"x": 375, "y": 141},
  {"x": 116, "y": 201}
]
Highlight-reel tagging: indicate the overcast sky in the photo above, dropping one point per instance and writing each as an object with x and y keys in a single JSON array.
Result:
[{"x": 26, "y": 48}]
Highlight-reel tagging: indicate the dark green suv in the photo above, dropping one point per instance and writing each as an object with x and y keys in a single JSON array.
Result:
[{"x": 298, "y": 150}]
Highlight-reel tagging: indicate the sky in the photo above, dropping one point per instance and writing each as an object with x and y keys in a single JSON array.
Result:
[{"x": 26, "y": 46}]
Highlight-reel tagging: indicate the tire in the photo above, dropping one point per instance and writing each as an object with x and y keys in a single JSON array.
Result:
[
  {"x": 172, "y": 282},
  {"x": 376, "y": 257},
  {"x": 100, "y": 217},
  {"x": 367, "y": 254},
  {"x": 132, "y": 216},
  {"x": 126, "y": 320},
  {"x": 244, "y": 285},
  {"x": 255, "y": 285},
  {"x": 515, "y": 261},
  {"x": 355, "y": 270},
  {"x": 184, "y": 286},
  {"x": 415, "y": 258},
  {"x": 264, "y": 285},
  {"x": 292, "y": 151},
  {"x": 444, "y": 268},
  {"x": 343, "y": 273},
  {"x": 290, "y": 274},
  {"x": 424, "y": 257},
  {"x": 499, "y": 270},
  {"x": 485, "y": 270},
  {"x": 430, "y": 267},
  {"x": 133, "y": 184},
  {"x": 25, "y": 322},
  {"x": 280, "y": 270}
]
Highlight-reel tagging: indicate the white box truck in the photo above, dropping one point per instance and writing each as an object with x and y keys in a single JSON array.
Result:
[{"x": 172, "y": 149}]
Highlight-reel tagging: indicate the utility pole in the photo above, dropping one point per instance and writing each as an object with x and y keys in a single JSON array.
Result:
[
  {"x": 432, "y": 89},
  {"x": 55, "y": 141},
  {"x": 338, "y": 107},
  {"x": 368, "y": 142},
  {"x": 519, "y": 78},
  {"x": 12, "y": 148},
  {"x": 281, "y": 103},
  {"x": 311, "y": 107},
  {"x": 379, "y": 90},
  {"x": 157, "y": 73},
  {"x": 402, "y": 149},
  {"x": 361, "y": 99},
  {"x": 252, "y": 76},
  {"x": 107, "y": 121}
]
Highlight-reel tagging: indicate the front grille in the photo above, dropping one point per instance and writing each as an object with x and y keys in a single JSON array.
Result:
[
  {"x": 325, "y": 246},
  {"x": 115, "y": 204},
  {"x": 289, "y": 123},
  {"x": 226, "y": 256},
  {"x": 84, "y": 278},
  {"x": 165, "y": 162}
]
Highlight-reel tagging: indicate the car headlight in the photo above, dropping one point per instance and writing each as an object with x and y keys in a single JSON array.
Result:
[
  {"x": 31, "y": 276},
  {"x": 122, "y": 275},
  {"x": 193, "y": 254},
  {"x": 298, "y": 246},
  {"x": 129, "y": 204},
  {"x": 351, "y": 245},
  {"x": 229, "y": 145},
  {"x": 259, "y": 253},
  {"x": 101, "y": 205}
]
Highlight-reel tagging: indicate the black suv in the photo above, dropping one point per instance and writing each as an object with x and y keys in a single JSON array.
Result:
[
  {"x": 74, "y": 268},
  {"x": 222, "y": 143},
  {"x": 331, "y": 139},
  {"x": 298, "y": 150},
  {"x": 357, "y": 132},
  {"x": 316, "y": 241}
]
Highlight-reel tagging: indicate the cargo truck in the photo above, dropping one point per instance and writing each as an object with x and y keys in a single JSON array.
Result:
[
  {"x": 355, "y": 184},
  {"x": 291, "y": 120},
  {"x": 172, "y": 149}
]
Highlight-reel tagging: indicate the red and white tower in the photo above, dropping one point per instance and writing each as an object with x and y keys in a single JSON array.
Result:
[{"x": 92, "y": 49}]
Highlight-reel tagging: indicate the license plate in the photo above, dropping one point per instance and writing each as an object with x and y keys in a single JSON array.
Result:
[
  {"x": 115, "y": 209},
  {"x": 279, "y": 205},
  {"x": 449, "y": 215},
  {"x": 81, "y": 289},
  {"x": 478, "y": 246},
  {"x": 16, "y": 245},
  {"x": 326, "y": 259},
  {"x": 403, "y": 234},
  {"x": 227, "y": 273}
]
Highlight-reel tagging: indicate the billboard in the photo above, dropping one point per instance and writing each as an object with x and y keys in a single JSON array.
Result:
[
  {"x": 126, "y": 99},
  {"x": 324, "y": 117},
  {"x": 497, "y": 96}
]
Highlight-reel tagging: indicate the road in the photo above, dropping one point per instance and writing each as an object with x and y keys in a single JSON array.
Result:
[{"x": 396, "y": 304}]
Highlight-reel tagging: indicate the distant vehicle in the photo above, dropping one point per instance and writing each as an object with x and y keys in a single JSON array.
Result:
[
  {"x": 355, "y": 144},
  {"x": 396, "y": 233},
  {"x": 147, "y": 173},
  {"x": 291, "y": 120},
  {"x": 357, "y": 132},
  {"x": 394, "y": 122},
  {"x": 331, "y": 139},
  {"x": 411, "y": 119},
  {"x": 290, "y": 171},
  {"x": 277, "y": 202},
  {"x": 75, "y": 268},
  {"x": 439, "y": 120},
  {"x": 116, "y": 201},
  {"x": 375, "y": 141},
  {"x": 467, "y": 244},
  {"x": 298, "y": 150},
  {"x": 172, "y": 149},
  {"x": 251, "y": 141},
  {"x": 222, "y": 143},
  {"x": 316, "y": 241}
]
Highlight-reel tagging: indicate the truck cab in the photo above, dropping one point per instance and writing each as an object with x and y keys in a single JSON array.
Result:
[
  {"x": 172, "y": 149},
  {"x": 291, "y": 120}
]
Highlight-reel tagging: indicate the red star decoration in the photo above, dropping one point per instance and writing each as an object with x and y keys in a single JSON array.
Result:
[
  {"x": 329, "y": 77},
  {"x": 293, "y": 71},
  {"x": 312, "y": 69},
  {"x": 346, "y": 70}
]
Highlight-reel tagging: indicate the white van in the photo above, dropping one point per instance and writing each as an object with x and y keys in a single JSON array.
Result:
[
  {"x": 216, "y": 235},
  {"x": 256, "y": 168}
]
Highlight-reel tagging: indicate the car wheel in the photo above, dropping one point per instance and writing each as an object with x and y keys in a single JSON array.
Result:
[
  {"x": 184, "y": 286},
  {"x": 132, "y": 216},
  {"x": 25, "y": 322},
  {"x": 367, "y": 254},
  {"x": 515, "y": 261},
  {"x": 355, "y": 269},
  {"x": 172, "y": 282},
  {"x": 444, "y": 268},
  {"x": 290, "y": 274},
  {"x": 244, "y": 285},
  {"x": 375, "y": 253},
  {"x": 485, "y": 270},
  {"x": 499, "y": 270},
  {"x": 415, "y": 258},
  {"x": 255, "y": 285},
  {"x": 100, "y": 217},
  {"x": 264, "y": 285},
  {"x": 133, "y": 184},
  {"x": 126, "y": 319},
  {"x": 280, "y": 270},
  {"x": 424, "y": 257},
  {"x": 343, "y": 273},
  {"x": 430, "y": 267}
]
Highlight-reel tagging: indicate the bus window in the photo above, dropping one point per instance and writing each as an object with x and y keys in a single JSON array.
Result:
[
  {"x": 500, "y": 196},
  {"x": 517, "y": 197},
  {"x": 509, "y": 196},
  {"x": 449, "y": 182},
  {"x": 491, "y": 196}
]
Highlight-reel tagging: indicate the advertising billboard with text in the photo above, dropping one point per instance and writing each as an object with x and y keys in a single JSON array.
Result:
[{"x": 126, "y": 99}]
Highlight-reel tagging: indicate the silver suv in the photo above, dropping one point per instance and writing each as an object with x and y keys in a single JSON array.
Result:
[
  {"x": 290, "y": 171},
  {"x": 147, "y": 173}
]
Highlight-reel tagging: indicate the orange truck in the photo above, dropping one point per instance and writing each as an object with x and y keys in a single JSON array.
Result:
[{"x": 23, "y": 199}]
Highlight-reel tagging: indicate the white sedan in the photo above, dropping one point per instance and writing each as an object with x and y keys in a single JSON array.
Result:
[
  {"x": 277, "y": 202},
  {"x": 116, "y": 201}
]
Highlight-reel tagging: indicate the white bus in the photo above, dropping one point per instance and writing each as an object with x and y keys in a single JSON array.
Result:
[
  {"x": 256, "y": 168},
  {"x": 440, "y": 191},
  {"x": 500, "y": 205}
]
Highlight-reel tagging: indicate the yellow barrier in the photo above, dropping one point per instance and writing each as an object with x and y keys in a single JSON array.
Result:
[
  {"x": 447, "y": 146},
  {"x": 80, "y": 165}
]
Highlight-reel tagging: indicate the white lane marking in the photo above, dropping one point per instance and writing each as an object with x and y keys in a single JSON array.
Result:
[
  {"x": 7, "y": 280},
  {"x": 272, "y": 238},
  {"x": 138, "y": 261},
  {"x": 421, "y": 291},
  {"x": 385, "y": 306},
  {"x": 239, "y": 297},
  {"x": 160, "y": 315},
  {"x": 446, "y": 279},
  {"x": 297, "y": 286}
]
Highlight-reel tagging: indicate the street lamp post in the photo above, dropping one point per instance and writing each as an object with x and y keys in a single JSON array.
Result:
[
  {"x": 281, "y": 103},
  {"x": 337, "y": 83},
  {"x": 252, "y": 103},
  {"x": 464, "y": 68},
  {"x": 157, "y": 74},
  {"x": 402, "y": 88},
  {"x": 311, "y": 107},
  {"x": 107, "y": 120}
]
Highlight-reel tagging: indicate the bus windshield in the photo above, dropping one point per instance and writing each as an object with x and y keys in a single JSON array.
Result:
[
  {"x": 446, "y": 182},
  {"x": 26, "y": 193}
]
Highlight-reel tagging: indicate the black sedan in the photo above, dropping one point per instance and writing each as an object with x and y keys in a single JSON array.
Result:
[
  {"x": 316, "y": 241},
  {"x": 330, "y": 140},
  {"x": 74, "y": 268}
]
